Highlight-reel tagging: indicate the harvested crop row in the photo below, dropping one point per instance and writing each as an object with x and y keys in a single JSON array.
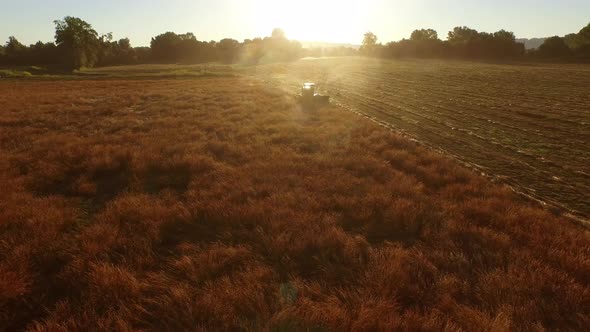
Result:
[{"x": 525, "y": 125}]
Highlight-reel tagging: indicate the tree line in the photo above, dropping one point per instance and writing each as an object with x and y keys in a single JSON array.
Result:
[
  {"x": 464, "y": 42},
  {"x": 78, "y": 45}
]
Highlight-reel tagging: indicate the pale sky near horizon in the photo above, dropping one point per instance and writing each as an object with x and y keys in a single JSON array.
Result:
[{"x": 308, "y": 20}]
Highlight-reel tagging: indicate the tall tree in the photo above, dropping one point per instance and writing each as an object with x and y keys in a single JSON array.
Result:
[
  {"x": 229, "y": 50},
  {"x": 424, "y": 34},
  {"x": 554, "y": 47},
  {"x": 77, "y": 41},
  {"x": 462, "y": 35},
  {"x": 571, "y": 40},
  {"x": 584, "y": 35},
  {"x": 583, "y": 41},
  {"x": 124, "y": 44},
  {"x": 369, "y": 43},
  {"x": 505, "y": 36},
  {"x": 43, "y": 54},
  {"x": 278, "y": 34},
  {"x": 13, "y": 45},
  {"x": 164, "y": 47},
  {"x": 15, "y": 51}
]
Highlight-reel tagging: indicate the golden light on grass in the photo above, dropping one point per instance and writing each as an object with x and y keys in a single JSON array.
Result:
[{"x": 166, "y": 205}]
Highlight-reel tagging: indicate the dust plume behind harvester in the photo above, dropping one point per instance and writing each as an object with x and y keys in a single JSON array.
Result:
[{"x": 309, "y": 99}]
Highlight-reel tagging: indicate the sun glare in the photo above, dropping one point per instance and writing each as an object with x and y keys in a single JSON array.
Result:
[{"x": 308, "y": 20}]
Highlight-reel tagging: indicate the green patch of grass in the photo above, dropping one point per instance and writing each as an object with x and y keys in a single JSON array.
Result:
[
  {"x": 166, "y": 71},
  {"x": 9, "y": 73},
  {"x": 124, "y": 72}
]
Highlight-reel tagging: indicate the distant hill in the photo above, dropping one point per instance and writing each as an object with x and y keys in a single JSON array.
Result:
[
  {"x": 531, "y": 43},
  {"x": 308, "y": 44}
]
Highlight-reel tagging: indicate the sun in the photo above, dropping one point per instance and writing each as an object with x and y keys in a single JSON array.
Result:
[{"x": 309, "y": 20}]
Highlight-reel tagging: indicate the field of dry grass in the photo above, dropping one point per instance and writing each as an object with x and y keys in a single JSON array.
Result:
[{"x": 218, "y": 204}]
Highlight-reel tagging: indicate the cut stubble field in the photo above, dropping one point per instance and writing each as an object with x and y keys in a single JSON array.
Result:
[
  {"x": 218, "y": 204},
  {"x": 526, "y": 125}
]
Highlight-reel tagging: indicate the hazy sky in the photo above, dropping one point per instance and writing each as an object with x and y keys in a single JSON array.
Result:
[{"x": 319, "y": 20}]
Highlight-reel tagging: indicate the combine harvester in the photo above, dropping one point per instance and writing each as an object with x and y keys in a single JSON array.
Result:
[{"x": 310, "y": 100}]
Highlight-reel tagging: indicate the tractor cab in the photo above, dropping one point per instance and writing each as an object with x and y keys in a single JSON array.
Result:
[
  {"x": 308, "y": 91},
  {"x": 310, "y": 99}
]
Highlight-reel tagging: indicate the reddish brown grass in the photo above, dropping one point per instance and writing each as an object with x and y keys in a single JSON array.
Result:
[{"x": 216, "y": 204}]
